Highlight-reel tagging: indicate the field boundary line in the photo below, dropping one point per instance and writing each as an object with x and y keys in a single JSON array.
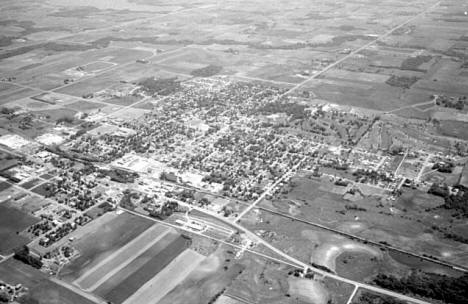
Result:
[
  {"x": 119, "y": 251},
  {"x": 127, "y": 262},
  {"x": 353, "y": 294},
  {"x": 78, "y": 291},
  {"x": 167, "y": 271}
]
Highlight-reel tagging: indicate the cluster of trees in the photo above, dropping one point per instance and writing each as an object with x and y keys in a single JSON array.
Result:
[
  {"x": 65, "y": 119},
  {"x": 4, "y": 296},
  {"x": 441, "y": 190},
  {"x": 321, "y": 267},
  {"x": 354, "y": 207},
  {"x": 41, "y": 227},
  {"x": 218, "y": 177},
  {"x": 443, "y": 167},
  {"x": 7, "y": 111},
  {"x": 294, "y": 110},
  {"x": 451, "y": 102},
  {"x": 127, "y": 200},
  {"x": 370, "y": 298},
  {"x": 166, "y": 210},
  {"x": 120, "y": 176},
  {"x": 371, "y": 175},
  {"x": 457, "y": 202},
  {"x": 22, "y": 254},
  {"x": 207, "y": 71},
  {"x": 56, "y": 235},
  {"x": 429, "y": 285},
  {"x": 413, "y": 63},
  {"x": 401, "y": 81},
  {"x": 164, "y": 87},
  {"x": 298, "y": 272}
]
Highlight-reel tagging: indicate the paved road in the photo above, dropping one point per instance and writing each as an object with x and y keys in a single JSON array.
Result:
[
  {"x": 268, "y": 190},
  {"x": 351, "y": 297},
  {"x": 290, "y": 260}
]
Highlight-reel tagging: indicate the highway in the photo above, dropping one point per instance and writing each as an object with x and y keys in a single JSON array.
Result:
[{"x": 289, "y": 259}]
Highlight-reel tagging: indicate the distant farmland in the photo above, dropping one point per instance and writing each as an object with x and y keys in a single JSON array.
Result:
[
  {"x": 95, "y": 244},
  {"x": 12, "y": 221},
  {"x": 41, "y": 289},
  {"x": 140, "y": 276},
  {"x": 125, "y": 271},
  {"x": 122, "y": 257}
]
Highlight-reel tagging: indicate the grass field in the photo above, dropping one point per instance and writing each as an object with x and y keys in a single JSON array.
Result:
[
  {"x": 109, "y": 233},
  {"x": 312, "y": 199},
  {"x": 13, "y": 221},
  {"x": 351, "y": 259},
  {"x": 31, "y": 183},
  {"x": 41, "y": 290},
  {"x": 214, "y": 274}
]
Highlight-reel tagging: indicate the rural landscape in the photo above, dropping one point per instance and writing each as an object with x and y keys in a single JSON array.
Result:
[{"x": 234, "y": 152}]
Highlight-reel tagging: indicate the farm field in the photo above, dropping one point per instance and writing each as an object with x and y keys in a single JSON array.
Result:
[
  {"x": 100, "y": 239},
  {"x": 121, "y": 257},
  {"x": 13, "y": 221},
  {"x": 162, "y": 283},
  {"x": 129, "y": 279},
  {"x": 41, "y": 289}
]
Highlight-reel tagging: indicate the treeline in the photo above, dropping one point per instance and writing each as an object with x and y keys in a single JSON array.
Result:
[
  {"x": 292, "y": 109},
  {"x": 457, "y": 202},
  {"x": 428, "y": 285},
  {"x": 401, "y": 81},
  {"x": 163, "y": 87},
  {"x": 207, "y": 71},
  {"x": 118, "y": 175},
  {"x": 413, "y": 63},
  {"x": 371, "y": 298},
  {"x": 22, "y": 254}
]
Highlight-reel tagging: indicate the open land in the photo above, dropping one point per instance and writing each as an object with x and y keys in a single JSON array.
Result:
[
  {"x": 12, "y": 222},
  {"x": 234, "y": 152},
  {"x": 41, "y": 289},
  {"x": 96, "y": 245}
]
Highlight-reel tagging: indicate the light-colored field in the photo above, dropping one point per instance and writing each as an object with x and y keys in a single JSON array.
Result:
[
  {"x": 161, "y": 284},
  {"x": 122, "y": 257},
  {"x": 357, "y": 76},
  {"x": 227, "y": 300},
  {"x": 308, "y": 290},
  {"x": 328, "y": 253},
  {"x": 330, "y": 247}
]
